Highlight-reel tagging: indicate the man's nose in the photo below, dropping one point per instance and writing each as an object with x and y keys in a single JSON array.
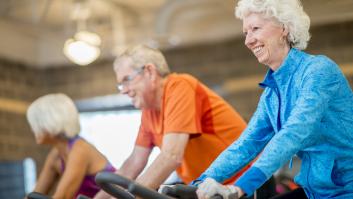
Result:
[{"x": 124, "y": 89}]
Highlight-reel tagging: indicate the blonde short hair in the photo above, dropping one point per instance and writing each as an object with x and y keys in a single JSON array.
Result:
[
  {"x": 55, "y": 114},
  {"x": 140, "y": 55},
  {"x": 290, "y": 13}
]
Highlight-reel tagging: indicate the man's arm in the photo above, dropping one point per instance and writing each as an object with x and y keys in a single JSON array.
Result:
[
  {"x": 131, "y": 167},
  {"x": 167, "y": 161},
  {"x": 135, "y": 163}
]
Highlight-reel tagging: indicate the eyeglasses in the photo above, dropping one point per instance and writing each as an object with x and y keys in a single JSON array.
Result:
[{"x": 127, "y": 79}]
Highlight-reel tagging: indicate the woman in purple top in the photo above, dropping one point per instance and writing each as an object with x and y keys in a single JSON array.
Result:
[{"x": 72, "y": 162}]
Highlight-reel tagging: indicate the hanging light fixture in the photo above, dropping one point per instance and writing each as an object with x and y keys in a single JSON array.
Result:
[{"x": 84, "y": 47}]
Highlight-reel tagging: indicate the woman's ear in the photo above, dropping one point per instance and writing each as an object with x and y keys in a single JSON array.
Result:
[{"x": 285, "y": 32}]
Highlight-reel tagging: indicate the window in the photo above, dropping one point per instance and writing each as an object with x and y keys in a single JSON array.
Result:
[{"x": 113, "y": 133}]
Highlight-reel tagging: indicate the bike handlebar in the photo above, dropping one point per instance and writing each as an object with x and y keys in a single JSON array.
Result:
[
  {"x": 36, "y": 195},
  {"x": 184, "y": 192},
  {"x": 127, "y": 189}
]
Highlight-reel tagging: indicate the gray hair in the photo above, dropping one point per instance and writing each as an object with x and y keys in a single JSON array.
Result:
[
  {"x": 290, "y": 13},
  {"x": 55, "y": 114},
  {"x": 140, "y": 55}
]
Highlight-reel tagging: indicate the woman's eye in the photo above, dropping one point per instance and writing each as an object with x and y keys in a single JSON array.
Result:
[{"x": 245, "y": 33}]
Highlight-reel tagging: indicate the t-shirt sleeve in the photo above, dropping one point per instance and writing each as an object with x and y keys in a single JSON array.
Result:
[
  {"x": 180, "y": 108},
  {"x": 144, "y": 137}
]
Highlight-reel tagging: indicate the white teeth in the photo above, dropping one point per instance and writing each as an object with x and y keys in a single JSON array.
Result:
[{"x": 257, "y": 49}]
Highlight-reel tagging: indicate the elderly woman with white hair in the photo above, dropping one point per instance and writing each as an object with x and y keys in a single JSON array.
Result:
[
  {"x": 72, "y": 163},
  {"x": 306, "y": 109}
]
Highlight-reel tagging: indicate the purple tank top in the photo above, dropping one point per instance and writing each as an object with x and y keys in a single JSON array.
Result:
[{"x": 88, "y": 186}]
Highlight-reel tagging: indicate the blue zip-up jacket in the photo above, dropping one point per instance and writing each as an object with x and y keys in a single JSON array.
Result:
[{"x": 306, "y": 110}]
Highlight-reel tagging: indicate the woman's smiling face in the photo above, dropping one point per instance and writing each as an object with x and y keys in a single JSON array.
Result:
[{"x": 266, "y": 38}]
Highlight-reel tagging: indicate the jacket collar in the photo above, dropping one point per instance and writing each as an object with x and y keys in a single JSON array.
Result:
[{"x": 285, "y": 71}]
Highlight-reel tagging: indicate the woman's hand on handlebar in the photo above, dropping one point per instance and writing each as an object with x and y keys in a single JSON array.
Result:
[{"x": 210, "y": 187}]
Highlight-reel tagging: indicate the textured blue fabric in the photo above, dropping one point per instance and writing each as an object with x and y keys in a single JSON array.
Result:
[
  {"x": 250, "y": 180},
  {"x": 306, "y": 110}
]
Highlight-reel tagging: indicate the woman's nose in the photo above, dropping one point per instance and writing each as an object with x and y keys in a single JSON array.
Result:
[{"x": 249, "y": 39}]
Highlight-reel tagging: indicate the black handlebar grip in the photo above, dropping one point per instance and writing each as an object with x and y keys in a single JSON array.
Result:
[
  {"x": 169, "y": 191},
  {"x": 36, "y": 195},
  {"x": 187, "y": 192},
  {"x": 146, "y": 193},
  {"x": 184, "y": 192},
  {"x": 127, "y": 189},
  {"x": 106, "y": 180}
]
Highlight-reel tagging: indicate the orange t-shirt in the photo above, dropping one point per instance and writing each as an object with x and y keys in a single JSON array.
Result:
[{"x": 190, "y": 107}]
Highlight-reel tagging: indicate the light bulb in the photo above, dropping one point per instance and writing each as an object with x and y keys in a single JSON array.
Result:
[{"x": 83, "y": 49}]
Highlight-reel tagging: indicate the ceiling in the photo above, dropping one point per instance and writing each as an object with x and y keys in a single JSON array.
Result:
[{"x": 34, "y": 31}]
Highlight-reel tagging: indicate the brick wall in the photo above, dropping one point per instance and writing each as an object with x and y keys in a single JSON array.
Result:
[
  {"x": 228, "y": 67},
  {"x": 18, "y": 86},
  {"x": 82, "y": 81}
]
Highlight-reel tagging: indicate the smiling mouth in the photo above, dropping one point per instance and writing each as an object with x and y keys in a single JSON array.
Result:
[{"x": 257, "y": 50}]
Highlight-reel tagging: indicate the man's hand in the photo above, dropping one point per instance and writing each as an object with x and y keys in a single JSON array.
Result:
[
  {"x": 163, "y": 186},
  {"x": 210, "y": 187}
]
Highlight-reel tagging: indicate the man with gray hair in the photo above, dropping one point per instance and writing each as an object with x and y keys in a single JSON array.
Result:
[{"x": 190, "y": 123}]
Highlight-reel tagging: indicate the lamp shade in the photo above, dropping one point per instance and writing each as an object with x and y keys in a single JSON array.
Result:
[{"x": 83, "y": 49}]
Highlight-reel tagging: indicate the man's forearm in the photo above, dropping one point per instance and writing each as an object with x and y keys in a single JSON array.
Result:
[
  {"x": 131, "y": 169},
  {"x": 159, "y": 171}
]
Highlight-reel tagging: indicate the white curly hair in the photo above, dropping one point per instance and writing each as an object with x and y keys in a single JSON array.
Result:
[{"x": 290, "y": 13}]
